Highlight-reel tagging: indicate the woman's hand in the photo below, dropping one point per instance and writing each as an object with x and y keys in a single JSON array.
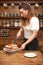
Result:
[{"x": 23, "y": 46}]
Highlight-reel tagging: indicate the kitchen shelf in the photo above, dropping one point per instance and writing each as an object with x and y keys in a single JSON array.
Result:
[
  {"x": 32, "y": 2},
  {"x": 12, "y": 37},
  {"x": 10, "y": 17},
  {"x": 41, "y": 28},
  {"x": 9, "y": 27},
  {"x": 2, "y": 27},
  {"x": 40, "y": 17},
  {"x": 16, "y": 17}
]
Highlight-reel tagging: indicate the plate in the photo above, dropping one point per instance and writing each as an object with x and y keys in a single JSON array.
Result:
[
  {"x": 30, "y": 54},
  {"x": 9, "y": 50}
]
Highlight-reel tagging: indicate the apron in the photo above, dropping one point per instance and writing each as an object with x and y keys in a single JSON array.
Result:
[{"x": 32, "y": 45}]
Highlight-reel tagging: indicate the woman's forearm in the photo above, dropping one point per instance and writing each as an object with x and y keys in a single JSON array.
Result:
[
  {"x": 19, "y": 33},
  {"x": 34, "y": 35}
]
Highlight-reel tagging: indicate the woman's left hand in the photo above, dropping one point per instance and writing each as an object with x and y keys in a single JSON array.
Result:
[{"x": 23, "y": 46}]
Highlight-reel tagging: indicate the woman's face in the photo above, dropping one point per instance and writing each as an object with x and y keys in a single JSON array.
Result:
[{"x": 24, "y": 13}]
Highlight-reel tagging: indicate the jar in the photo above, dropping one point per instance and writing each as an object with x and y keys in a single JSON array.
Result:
[
  {"x": 0, "y": 23},
  {"x": 15, "y": 23},
  {"x": 2, "y": 14},
  {"x": 5, "y": 14},
  {"x": 41, "y": 25},
  {"x": 12, "y": 15},
  {"x": 7, "y": 24},
  {"x": 19, "y": 24},
  {"x": 36, "y": 5},
  {"x": 5, "y": 5},
  {"x": 12, "y": 4},
  {"x": 11, "y": 23}
]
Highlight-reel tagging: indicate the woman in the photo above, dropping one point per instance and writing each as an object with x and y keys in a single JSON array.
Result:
[{"x": 30, "y": 27}]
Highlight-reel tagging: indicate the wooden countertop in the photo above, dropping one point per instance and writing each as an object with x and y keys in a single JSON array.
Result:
[{"x": 17, "y": 58}]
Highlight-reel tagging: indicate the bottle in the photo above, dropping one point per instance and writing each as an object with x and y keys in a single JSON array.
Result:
[{"x": 11, "y": 23}]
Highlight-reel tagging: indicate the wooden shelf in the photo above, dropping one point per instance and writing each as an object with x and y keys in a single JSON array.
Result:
[
  {"x": 10, "y": 27},
  {"x": 16, "y": 17},
  {"x": 17, "y": 1},
  {"x": 40, "y": 17},
  {"x": 10, "y": 17},
  {"x": 41, "y": 28},
  {"x": 12, "y": 37}
]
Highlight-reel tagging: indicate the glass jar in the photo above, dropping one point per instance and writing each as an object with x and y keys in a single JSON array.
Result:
[
  {"x": 16, "y": 23},
  {"x": 7, "y": 23},
  {"x": 11, "y": 23},
  {"x": 12, "y": 4},
  {"x": 20, "y": 24},
  {"x": 5, "y": 5}
]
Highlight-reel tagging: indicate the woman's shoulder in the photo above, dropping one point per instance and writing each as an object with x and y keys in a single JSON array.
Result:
[{"x": 34, "y": 19}]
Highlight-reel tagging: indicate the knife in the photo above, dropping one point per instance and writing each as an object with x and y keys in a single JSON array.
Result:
[{"x": 15, "y": 40}]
